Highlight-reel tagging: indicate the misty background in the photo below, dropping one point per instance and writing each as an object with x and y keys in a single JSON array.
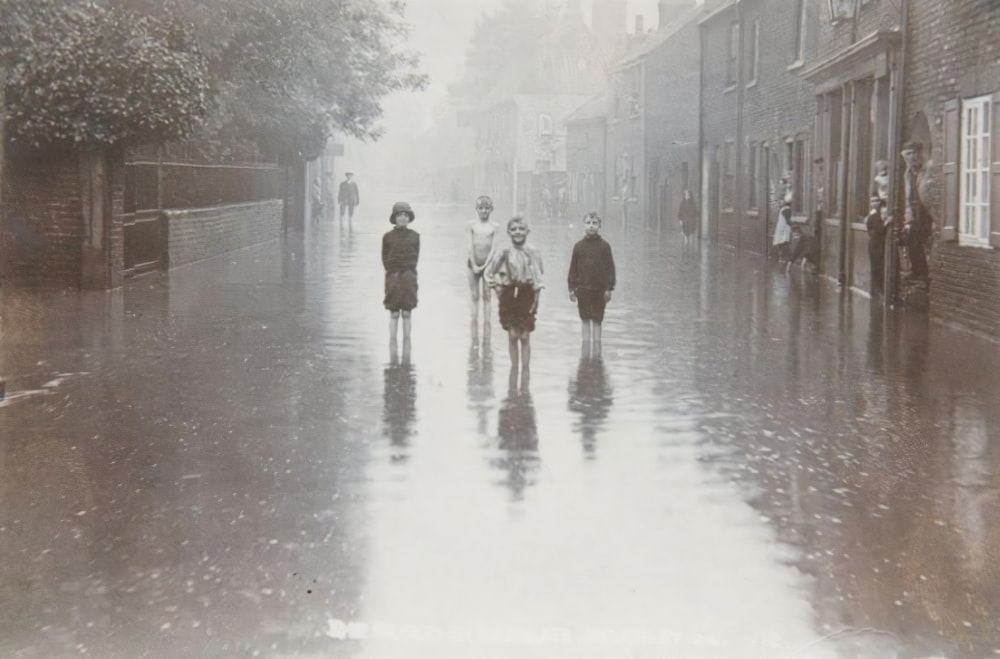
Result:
[{"x": 441, "y": 32}]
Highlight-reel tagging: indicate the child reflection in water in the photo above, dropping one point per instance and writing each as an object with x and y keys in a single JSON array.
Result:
[
  {"x": 518, "y": 435},
  {"x": 590, "y": 396},
  {"x": 399, "y": 396},
  {"x": 479, "y": 382}
]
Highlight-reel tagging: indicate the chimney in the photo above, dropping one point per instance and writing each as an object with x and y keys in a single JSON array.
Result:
[{"x": 639, "y": 30}]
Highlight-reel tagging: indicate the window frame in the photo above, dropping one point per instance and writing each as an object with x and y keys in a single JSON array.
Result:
[
  {"x": 733, "y": 55},
  {"x": 753, "y": 60},
  {"x": 979, "y": 235}
]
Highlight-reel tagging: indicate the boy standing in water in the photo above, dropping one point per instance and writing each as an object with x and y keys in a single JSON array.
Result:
[
  {"x": 517, "y": 272},
  {"x": 482, "y": 251},
  {"x": 400, "y": 252},
  {"x": 591, "y": 279}
]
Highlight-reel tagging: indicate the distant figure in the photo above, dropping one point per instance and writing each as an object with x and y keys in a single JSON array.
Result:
[
  {"x": 591, "y": 279},
  {"x": 547, "y": 203},
  {"x": 783, "y": 230},
  {"x": 687, "y": 215},
  {"x": 876, "y": 225},
  {"x": 400, "y": 252},
  {"x": 482, "y": 251},
  {"x": 348, "y": 196},
  {"x": 517, "y": 272}
]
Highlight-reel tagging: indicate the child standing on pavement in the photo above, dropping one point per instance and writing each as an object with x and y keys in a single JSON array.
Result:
[
  {"x": 517, "y": 273},
  {"x": 400, "y": 252},
  {"x": 591, "y": 279},
  {"x": 482, "y": 251}
]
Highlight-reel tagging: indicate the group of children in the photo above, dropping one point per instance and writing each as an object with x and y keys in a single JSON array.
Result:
[{"x": 515, "y": 273}]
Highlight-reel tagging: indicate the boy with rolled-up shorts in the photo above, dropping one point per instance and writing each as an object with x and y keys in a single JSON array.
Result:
[
  {"x": 517, "y": 275},
  {"x": 591, "y": 279}
]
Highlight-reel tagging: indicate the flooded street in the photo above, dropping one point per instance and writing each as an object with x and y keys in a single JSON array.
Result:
[{"x": 226, "y": 460}]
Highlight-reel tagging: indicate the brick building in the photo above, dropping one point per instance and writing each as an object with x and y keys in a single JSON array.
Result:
[
  {"x": 952, "y": 91},
  {"x": 757, "y": 118},
  {"x": 586, "y": 135},
  {"x": 652, "y": 125},
  {"x": 519, "y": 129}
]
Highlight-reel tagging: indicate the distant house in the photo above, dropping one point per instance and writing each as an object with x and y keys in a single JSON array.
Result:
[
  {"x": 652, "y": 123},
  {"x": 586, "y": 135},
  {"x": 520, "y": 130}
]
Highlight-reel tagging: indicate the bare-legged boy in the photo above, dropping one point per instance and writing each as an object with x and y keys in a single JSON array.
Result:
[
  {"x": 400, "y": 252},
  {"x": 517, "y": 273},
  {"x": 591, "y": 279},
  {"x": 482, "y": 251}
]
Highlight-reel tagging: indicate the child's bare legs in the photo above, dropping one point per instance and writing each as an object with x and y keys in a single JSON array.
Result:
[
  {"x": 519, "y": 346},
  {"x": 406, "y": 332},
  {"x": 597, "y": 339},
  {"x": 585, "y": 331},
  {"x": 393, "y": 327}
]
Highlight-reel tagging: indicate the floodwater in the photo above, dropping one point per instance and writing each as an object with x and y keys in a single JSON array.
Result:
[{"x": 228, "y": 460}]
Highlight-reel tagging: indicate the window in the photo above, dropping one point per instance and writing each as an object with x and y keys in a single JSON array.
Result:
[
  {"x": 733, "y": 58},
  {"x": 974, "y": 193},
  {"x": 799, "y": 37},
  {"x": 753, "y": 59},
  {"x": 753, "y": 180},
  {"x": 544, "y": 124}
]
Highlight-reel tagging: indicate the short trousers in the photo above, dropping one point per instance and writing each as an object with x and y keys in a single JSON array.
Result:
[
  {"x": 515, "y": 302},
  {"x": 590, "y": 304},
  {"x": 400, "y": 290}
]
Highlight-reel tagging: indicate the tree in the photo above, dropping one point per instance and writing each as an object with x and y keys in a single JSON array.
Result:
[
  {"x": 290, "y": 73},
  {"x": 82, "y": 74}
]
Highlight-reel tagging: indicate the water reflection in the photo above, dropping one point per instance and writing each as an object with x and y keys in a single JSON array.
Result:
[
  {"x": 518, "y": 437},
  {"x": 399, "y": 395},
  {"x": 479, "y": 383},
  {"x": 591, "y": 397}
]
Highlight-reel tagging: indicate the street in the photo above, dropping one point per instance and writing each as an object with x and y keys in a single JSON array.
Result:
[{"x": 225, "y": 460}]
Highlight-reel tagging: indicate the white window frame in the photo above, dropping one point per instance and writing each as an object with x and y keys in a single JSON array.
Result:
[
  {"x": 974, "y": 172},
  {"x": 754, "y": 52},
  {"x": 546, "y": 126}
]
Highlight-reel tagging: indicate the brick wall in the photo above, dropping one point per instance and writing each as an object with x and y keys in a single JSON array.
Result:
[
  {"x": 202, "y": 233},
  {"x": 955, "y": 300},
  {"x": 954, "y": 54},
  {"x": 718, "y": 116},
  {"x": 41, "y": 217}
]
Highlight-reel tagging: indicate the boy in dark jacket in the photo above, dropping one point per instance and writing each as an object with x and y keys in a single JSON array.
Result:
[
  {"x": 400, "y": 252},
  {"x": 591, "y": 279}
]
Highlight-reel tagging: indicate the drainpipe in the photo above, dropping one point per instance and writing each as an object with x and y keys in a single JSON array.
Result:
[
  {"x": 738, "y": 206},
  {"x": 896, "y": 112},
  {"x": 702, "y": 174}
]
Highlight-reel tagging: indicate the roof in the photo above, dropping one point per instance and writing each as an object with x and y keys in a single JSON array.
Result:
[
  {"x": 594, "y": 108},
  {"x": 655, "y": 39},
  {"x": 717, "y": 11}
]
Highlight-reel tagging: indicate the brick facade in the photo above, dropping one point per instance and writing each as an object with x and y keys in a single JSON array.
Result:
[
  {"x": 42, "y": 223},
  {"x": 653, "y": 124},
  {"x": 197, "y": 234},
  {"x": 952, "y": 56}
]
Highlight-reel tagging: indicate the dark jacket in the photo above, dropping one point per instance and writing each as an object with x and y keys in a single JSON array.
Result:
[
  {"x": 400, "y": 249},
  {"x": 592, "y": 266},
  {"x": 348, "y": 193}
]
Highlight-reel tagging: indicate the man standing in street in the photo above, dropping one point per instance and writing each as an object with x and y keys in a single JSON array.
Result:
[{"x": 348, "y": 196}]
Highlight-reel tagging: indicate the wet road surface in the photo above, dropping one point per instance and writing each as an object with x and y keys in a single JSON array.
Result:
[{"x": 226, "y": 460}]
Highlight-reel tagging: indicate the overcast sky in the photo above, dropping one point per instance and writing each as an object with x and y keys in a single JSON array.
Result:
[{"x": 442, "y": 29}]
